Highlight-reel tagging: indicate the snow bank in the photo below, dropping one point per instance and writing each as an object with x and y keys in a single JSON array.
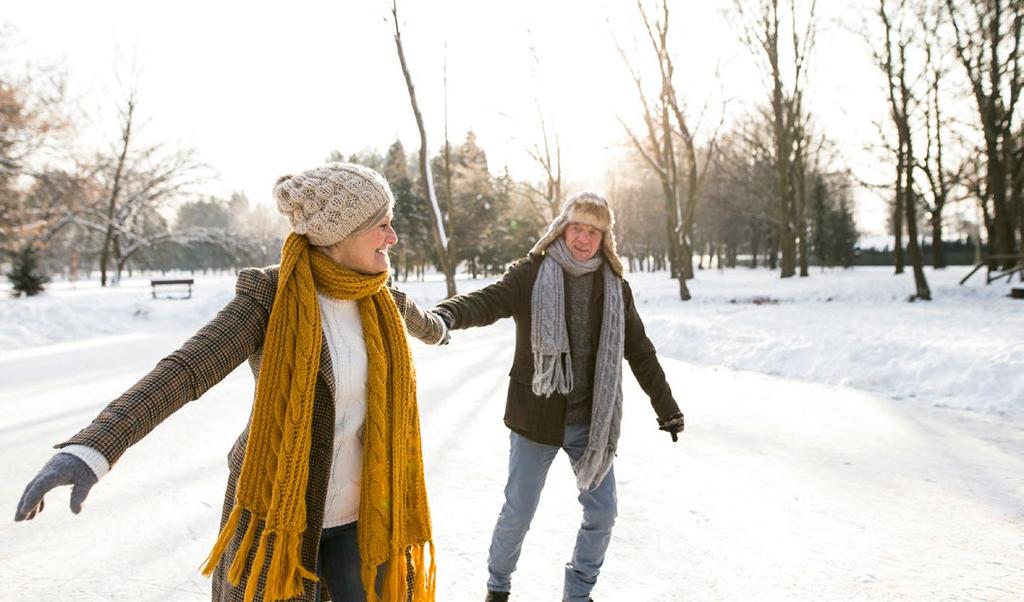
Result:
[
  {"x": 67, "y": 312},
  {"x": 849, "y": 328}
]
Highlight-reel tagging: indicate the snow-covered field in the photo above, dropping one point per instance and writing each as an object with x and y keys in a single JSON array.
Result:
[{"x": 841, "y": 444}]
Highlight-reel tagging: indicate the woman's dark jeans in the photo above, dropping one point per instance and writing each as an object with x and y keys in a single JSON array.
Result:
[{"x": 339, "y": 563}]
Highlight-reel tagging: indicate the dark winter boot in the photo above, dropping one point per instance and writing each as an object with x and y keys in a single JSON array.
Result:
[{"x": 496, "y": 596}]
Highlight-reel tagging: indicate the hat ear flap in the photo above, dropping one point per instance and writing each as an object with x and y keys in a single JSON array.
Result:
[
  {"x": 554, "y": 230},
  {"x": 611, "y": 253}
]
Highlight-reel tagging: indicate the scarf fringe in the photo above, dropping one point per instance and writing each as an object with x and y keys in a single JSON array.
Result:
[
  {"x": 285, "y": 573},
  {"x": 592, "y": 467},
  {"x": 425, "y": 580},
  {"x": 238, "y": 564},
  {"x": 397, "y": 580},
  {"x": 223, "y": 539},
  {"x": 552, "y": 372}
]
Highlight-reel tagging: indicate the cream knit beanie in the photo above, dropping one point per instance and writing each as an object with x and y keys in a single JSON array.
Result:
[{"x": 328, "y": 203}]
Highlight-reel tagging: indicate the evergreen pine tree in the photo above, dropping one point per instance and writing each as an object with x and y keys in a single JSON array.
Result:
[
  {"x": 844, "y": 233},
  {"x": 25, "y": 276},
  {"x": 821, "y": 233}
]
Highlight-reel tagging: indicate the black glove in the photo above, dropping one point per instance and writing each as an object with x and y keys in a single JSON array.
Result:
[
  {"x": 673, "y": 425},
  {"x": 446, "y": 317},
  {"x": 62, "y": 469}
]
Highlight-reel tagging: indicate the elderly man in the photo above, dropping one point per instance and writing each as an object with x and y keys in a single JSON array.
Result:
[{"x": 575, "y": 322}]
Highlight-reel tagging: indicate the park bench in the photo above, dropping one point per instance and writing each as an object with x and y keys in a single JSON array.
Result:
[
  {"x": 993, "y": 273},
  {"x": 176, "y": 283}
]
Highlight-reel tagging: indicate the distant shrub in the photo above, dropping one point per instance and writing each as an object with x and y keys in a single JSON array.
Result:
[{"x": 25, "y": 277}]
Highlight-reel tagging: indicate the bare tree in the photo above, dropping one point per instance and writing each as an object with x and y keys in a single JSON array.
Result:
[
  {"x": 658, "y": 152},
  {"x": 635, "y": 194},
  {"x": 668, "y": 127},
  {"x": 940, "y": 177},
  {"x": 55, "y": 204},
  {"x": 988, "y": 45},
  {"x": 451, "y": 254},
  {"x": 160, "y": 176},
  {"x": 891, "y": 193},
  {"x": 762, "y": 33},
  {"x": 136, "y": 180},
  {"x": 901, "y": 101},
  {"x": 127, "y": 122},
  {"x": 438, "y": 224},
  {"x": 547, "y": 154},
  {"x": 749, "y": 160},
  {"x": 34, "y": 124}
]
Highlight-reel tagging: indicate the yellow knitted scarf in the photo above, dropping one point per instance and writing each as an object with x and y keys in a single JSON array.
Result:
[{"x": 394, "y": 522}]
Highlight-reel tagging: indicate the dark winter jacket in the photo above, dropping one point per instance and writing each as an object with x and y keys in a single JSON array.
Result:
[
  {"x": 542, "y": 419},
  {"x": 232, "y": 337}
]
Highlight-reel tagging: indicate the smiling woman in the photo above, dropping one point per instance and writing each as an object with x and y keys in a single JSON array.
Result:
[
  {"x": 333, "y": 441},
  {"x": 365, "y": 250}
]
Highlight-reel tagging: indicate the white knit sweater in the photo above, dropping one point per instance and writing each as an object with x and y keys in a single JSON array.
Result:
[{"x": 343, "y": 330}]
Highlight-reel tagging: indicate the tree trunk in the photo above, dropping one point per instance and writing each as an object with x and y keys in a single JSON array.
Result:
[
  {"x": 115, "y": 246},
  {"x": 901, "y": 115},
  {"x": 686, "y": 259},
  {"x": 673, "y": 241},
  {"x": 800, "y": 197},
  {"x": 755, "y": 243},
  {"x": 787, "y": 242},
  {"x": 921, "y": 284},
  {"x": 897, "y": 216},
  {"x": 115, "y": 191},
  {"x": 451, "y": 249},
  {"x": 940, "y": 188},
  {"x": 76, "y": 258},
  {"x": 996, "y": 183},
  {"x": 1018, "y": 198},
  {"x": 938, "y": 253},
  {"x": 438, "y": 228}
]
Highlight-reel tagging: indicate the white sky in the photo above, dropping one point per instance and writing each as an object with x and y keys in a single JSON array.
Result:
[{"x": 262, "y": 90}]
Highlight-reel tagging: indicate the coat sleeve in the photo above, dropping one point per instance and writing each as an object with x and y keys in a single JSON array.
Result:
[
  {"x": 643, "y": 360},
  {"x": 204, "y": 360},
  {"x": 491, "y": 303},
  {"x": 424, "y": 325}
]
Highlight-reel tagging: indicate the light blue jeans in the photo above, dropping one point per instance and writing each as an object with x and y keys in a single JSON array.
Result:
[{"x": 528, "y": 464}]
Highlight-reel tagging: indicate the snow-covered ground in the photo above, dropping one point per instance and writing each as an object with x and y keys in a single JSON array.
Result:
[
  {"x": 841, "y": 444},
  {"x": 851, "y": 328}
]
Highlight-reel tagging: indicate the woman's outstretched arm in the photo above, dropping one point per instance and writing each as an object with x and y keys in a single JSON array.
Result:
[{"x": 184, "y": 375}]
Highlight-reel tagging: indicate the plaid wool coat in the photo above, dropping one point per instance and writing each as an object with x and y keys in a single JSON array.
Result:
[{"x": 230, "y": 338}]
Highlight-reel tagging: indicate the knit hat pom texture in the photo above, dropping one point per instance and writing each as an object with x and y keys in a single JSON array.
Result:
[{"x": 328, "y": 203}]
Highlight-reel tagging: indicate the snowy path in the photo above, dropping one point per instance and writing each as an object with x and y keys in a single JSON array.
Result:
[{"x": 778, "y": 490}]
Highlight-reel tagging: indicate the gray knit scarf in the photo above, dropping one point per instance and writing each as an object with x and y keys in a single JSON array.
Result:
[{"x": 552, "y": 363}]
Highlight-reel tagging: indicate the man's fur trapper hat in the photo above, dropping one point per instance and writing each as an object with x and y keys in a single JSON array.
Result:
[{"x": 585, "y": 208}]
